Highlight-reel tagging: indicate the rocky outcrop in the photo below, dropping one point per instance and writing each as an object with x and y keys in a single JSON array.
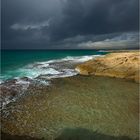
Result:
[{"x": 120, "y": 65}]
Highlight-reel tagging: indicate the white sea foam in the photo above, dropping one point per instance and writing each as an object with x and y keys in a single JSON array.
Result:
[
  {"x": 80, "y": 58},
  {"x": 72, "y": 59},
  {"x": 1, "y": 81},
  {"x": 52, "y": 68},
  {"x": 42, "y": 72},
  {"x": 24, "y": 84},
  {"x": 20, "y": 86},
  {"x": 43, "y": 82}
]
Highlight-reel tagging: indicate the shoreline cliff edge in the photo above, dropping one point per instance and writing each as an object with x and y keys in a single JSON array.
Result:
[{"x": 117, "y": 64}]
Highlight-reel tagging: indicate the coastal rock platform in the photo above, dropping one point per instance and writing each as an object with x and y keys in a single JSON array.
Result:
[{"x": 120, "y": 65}]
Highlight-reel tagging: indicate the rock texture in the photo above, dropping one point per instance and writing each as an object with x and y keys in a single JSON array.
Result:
[{"x": 120, "y": 65}]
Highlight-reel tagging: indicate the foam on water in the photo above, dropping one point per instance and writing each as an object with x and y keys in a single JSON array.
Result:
[
  {"x": 74, "y": 59},
  {"x": 24, "y": 84},
  {"x": 41, "y": 73},
  {"x": 17, "y": 86},
  {"x": 35, "y": 72},
  {"x": 51, "y": 67},
  {"x": 1, "y": 81}
]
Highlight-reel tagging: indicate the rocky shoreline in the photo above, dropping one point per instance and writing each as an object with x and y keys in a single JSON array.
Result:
[{"x": 120, "y": 65}]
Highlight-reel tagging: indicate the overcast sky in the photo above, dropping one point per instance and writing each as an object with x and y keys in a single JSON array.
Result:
[{"x": 70, "y": 24}]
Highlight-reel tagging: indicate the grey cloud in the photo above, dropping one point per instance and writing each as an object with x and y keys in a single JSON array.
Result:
[
  {"x": 31, "y": 26},
  {"x": 82, "y": 17},
  {"x": 25, "y": 22},
  {"x": 123, "y": 41}
]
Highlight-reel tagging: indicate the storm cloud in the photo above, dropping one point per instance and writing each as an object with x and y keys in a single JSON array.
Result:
[{"x": 70, "y": 24}]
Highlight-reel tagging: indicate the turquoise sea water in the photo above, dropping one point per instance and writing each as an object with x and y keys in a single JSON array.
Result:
[{"x": 13, "y": 60}]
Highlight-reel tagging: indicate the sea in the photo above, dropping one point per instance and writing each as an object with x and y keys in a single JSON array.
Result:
[
  {"x": 33, "y": 63},
  {"x": 21, "y": 68}
]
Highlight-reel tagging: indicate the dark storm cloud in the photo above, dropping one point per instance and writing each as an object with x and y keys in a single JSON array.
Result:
[
  {"x": 123, "y": 41},
  {"x": 67, "y": 23},
  {"x": 97, "y": 17}
]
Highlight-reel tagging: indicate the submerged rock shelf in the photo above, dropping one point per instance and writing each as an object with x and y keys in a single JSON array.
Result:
[{"x": 103, "y": 105}]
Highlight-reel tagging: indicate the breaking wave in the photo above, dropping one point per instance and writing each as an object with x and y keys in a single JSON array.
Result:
[
  {"x": 38, "y": 72},
  {"x": 52, "y": 69}
]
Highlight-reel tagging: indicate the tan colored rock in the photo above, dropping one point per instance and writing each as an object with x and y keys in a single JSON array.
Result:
[
  {"x": 137, "y": 77},
  {"x": 121, "y": 65}
]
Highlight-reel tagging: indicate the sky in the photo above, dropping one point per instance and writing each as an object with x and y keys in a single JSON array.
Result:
[{"x": 70, "y": 24}]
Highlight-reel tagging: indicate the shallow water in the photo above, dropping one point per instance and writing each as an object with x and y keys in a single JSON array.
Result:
[{"x": 107, "y": 107}]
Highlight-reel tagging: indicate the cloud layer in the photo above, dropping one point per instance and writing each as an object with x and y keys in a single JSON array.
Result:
[
  {"x": 123, "y": 41},
  {"x": 30, "y": 26},
  {"x": 69, "y": 24}
]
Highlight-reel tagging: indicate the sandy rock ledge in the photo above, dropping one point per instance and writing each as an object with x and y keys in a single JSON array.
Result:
[{"x": 120, "y": 65}]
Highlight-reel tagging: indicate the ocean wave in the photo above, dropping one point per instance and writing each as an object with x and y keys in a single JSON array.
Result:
[
  {"x": 38, "y": 73},
  {"x": 73, "y": 59},
  {"x": 103, "y": 51},
  {"x": 53, "y": 68}
]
